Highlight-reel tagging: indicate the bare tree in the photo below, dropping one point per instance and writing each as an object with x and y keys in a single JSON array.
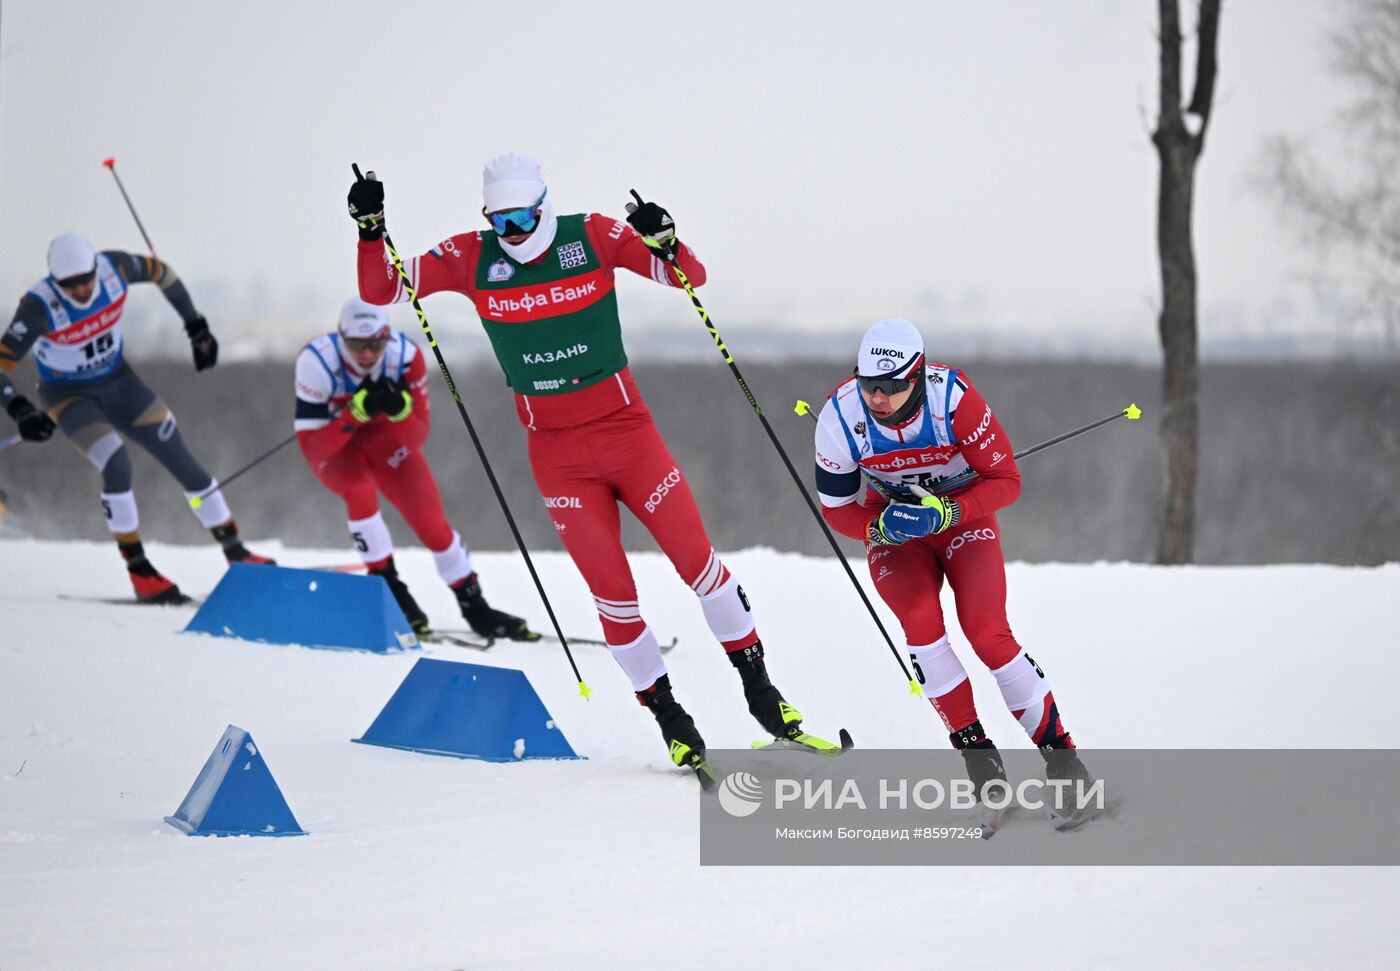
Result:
[
  {"x": 1358, "y": 212},
  {"x": 1180, "y": 139}
]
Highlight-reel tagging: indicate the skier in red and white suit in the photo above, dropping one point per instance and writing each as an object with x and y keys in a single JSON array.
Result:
[
  {"x": 543, "y": 286},
  {"x": 361, "y": 418},
  {"x": 902, "y": 426}
]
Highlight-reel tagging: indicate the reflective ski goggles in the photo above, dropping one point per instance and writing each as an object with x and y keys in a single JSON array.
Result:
[
  {"x": 78, "y": 279},
  {"x": 358, "y": 345},
  {"x": 886, "y": 385},
  {"x": 517, "y": 222}
]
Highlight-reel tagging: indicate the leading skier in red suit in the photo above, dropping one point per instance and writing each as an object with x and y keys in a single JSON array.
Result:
[{"x": 543, "y": 287}]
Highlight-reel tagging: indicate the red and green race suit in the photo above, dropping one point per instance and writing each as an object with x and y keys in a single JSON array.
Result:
[{"x": 553, "y": 324}]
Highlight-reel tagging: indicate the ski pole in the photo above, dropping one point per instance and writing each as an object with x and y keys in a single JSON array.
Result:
[
  {"x": 1132, "y": 413},
  {"x": 197, "y": 501},
  {"x": 583, "y": 689},
  {"x": 772, "y": 437},
  {"x": 111, "y": 164}
]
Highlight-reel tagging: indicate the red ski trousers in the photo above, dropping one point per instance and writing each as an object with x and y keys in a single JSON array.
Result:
[
  {"x": 584, "y": 472},
  {"x": 376, "y": 461},
  {"x": 909, "y": 578}
]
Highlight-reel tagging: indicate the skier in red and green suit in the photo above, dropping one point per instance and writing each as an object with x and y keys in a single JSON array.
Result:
[{"x": 543, "y": 286}]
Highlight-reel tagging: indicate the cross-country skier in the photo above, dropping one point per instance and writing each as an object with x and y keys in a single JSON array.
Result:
[
  {"x": 908, "y": 425},
  {"x": 543, "y": 287},
  {"x": 73, "y": 320},
  {"x": 361, "y": 418}
]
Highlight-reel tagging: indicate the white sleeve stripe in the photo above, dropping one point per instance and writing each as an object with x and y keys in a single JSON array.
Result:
[
  {"x": 310, "y": 424},
  {"x": 835, "y": 502}
]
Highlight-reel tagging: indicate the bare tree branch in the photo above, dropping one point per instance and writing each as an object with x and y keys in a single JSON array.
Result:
[
  {"x": 1169, "y": 62},
  {"x": 1208, "y": 34},
  {"x": 1354, "y": 206}
]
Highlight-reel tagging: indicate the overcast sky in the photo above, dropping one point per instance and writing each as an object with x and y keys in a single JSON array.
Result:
[{"x": 984, "y": 169}]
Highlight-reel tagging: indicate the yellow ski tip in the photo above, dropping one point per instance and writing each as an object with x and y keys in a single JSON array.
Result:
[
  {"x": 1133, "y": 412},
  {"x": 802, "y": 408},
  {"x": 914, "y": 688},
  {"x": 584, "y": 691}
]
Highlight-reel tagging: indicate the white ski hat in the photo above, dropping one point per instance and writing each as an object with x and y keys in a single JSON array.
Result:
[
  {"x": 891, "y": 347},
  {"x": 71, "y": 255},
  {"x": 362, "y": 320},
  {"x": 511, "y": 181}
]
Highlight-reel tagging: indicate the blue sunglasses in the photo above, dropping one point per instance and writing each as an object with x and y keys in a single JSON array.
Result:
[{"x": 515, "y": 222}]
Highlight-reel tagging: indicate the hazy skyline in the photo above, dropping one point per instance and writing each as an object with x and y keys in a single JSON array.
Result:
[{"x": 984, "y": 170}]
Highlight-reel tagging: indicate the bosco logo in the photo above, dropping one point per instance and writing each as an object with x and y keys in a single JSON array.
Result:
[
  {"x": 663, "y": 488},
  {"x": 969, "y": 536}
]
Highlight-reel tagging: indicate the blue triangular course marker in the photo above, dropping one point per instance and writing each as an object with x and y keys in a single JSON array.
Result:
[
  {"x": 315, "y": 608},
  {"x": 471, "y": 711},
  {"x": 235, "y": 795}
]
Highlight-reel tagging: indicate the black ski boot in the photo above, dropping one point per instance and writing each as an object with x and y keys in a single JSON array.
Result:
[
  {"x": 983, "y": 763},
  {"x": 1062, "y": 765},
  {"x": 682, "y": 739},
  {"x": 485, "y": 620},
  {"x": 234, "y": 550},
  {"x": 417, "y": 620},
  {"x": 766, "y": 703},
  {"x": 980, "y": 756}
]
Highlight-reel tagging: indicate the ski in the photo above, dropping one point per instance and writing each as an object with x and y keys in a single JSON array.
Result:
[
  {"x": 989, "y": 821},
  {"x": 704, "y": 774},
  {"x": 694, "y": 759},
  {"x": 184, "y": 601},
  {"x": 456, "y": 640},
  {"x": 466, "y": 638},
  {"x": 1072, "y": 821},
  {"x": 806, "y": 742}
]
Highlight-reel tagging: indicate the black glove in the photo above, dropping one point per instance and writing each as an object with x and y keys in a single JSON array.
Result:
[
  {"x": 398, "y": 400},
  {"x": 655, "y": 225},
  {"x": 371, "y": 398},
  {"x": 34, "y": 425},
  {"x": 205, "y": 347},
  {"x": 366, "y": 202}
]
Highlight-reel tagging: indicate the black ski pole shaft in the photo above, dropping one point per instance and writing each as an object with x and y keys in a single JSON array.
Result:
[
  {"x": 111, "y": 164},
  {"x": 197, "y": 501},
  {"x": 1132, "y": 413},
  {"x": 583, "y": 689},
  {"x": 797, "y": 479}
]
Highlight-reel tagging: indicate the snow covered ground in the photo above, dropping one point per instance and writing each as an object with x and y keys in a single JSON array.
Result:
[{"x": 107, "y": 713}]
